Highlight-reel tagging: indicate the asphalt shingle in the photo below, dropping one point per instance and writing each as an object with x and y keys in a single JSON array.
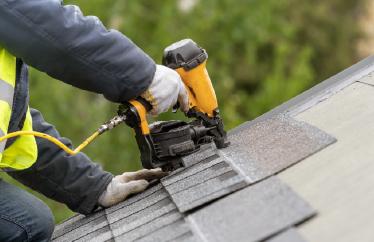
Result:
[
  {"x": 156, "y": 197},
  {"x": 149, "y": 225},
  {"x": 103, "y": 234},
  {"x": 71, "y": 223},
  {"x": 173, "y": 231},
  {"x": 93, "y": 224},
  {"x": 142, "y": 217},
  {"x": 202, "y": 182},
  {"x": 270, "y": 146},
  {"x": 289, "y": 235},
  {"x": 252, "y": 214}
]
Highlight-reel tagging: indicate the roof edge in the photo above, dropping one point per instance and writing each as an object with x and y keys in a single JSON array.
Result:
[{"x": 316, "y": 94}]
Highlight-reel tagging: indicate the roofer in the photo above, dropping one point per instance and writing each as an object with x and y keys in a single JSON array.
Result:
[{"x": 77, "y": 50}]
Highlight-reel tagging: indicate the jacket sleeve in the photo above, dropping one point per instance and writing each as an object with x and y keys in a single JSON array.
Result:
[
  {"x": 76, "y": 49},
  {"x": 73, "y": 180}
]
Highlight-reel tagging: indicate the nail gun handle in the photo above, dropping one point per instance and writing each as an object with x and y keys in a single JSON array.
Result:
[
  {"x": 139, "y": 107},
  {"x": 189, "y": 60},
  {"x": 201, "y": 94},
  {"x": 135, "y": 112}
]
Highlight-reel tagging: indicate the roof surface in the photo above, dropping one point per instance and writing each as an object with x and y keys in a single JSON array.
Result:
[
  {"x": 338, "y": 181},
  {"x": 246, "y": 192}
]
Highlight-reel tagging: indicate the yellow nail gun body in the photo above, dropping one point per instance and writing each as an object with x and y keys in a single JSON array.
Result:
[{"x": 166, "y": 142}]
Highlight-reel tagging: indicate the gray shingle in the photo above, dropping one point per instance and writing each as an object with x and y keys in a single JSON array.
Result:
[
  {"x": 140, "y": 217},
  {"x": 251, "y": 214},
  {"x": 153, "y": 192},
  {"x": 207, "y": 150},
  {"x": 270, "y": 146},
  {"x": 186, "y": 237},
  {"x": 202, "y": 182},
  {"x": 205, "y": 192},
  {"x": 100, "y": 235},
  {"x": 169, "y": 232},
  {"x": 139, "y": 229},
  {"x": 68, "y": 225},
  {"x": 289, "y": 235},
  {"x": 154, "y": 214},
  {"x": 219, "y": 168},
  {"x": 84, "y": 227},
  {"x": 154, "y": 201},
  {"x": 191, "y": 170},
  {"x": 75, "y": 222}
]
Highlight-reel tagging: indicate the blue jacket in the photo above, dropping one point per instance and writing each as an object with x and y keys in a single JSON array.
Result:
[{"x": 80, "y": 51}]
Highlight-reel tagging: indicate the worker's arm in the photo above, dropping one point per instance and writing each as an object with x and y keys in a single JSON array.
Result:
[
  {"x": 73, "y": 180},
  {"x": 73, "y": 48}
]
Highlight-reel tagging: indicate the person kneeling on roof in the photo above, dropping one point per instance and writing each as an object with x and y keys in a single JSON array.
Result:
[{"x": 80, "y": 51}]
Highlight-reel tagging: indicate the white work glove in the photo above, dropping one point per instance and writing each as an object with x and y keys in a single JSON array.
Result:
[
  {"x": 128, "y": 183},
  {"x": 165, "y": 90}
]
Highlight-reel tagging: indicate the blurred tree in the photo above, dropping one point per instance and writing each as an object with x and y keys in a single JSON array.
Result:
[{"x": 261, "y": 53}]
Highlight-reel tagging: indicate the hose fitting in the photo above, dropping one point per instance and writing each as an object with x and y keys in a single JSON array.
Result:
[{"x": 116, "y": 120}]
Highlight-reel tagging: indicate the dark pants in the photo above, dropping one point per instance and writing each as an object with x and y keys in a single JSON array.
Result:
[{"x": 23, "y": 217}]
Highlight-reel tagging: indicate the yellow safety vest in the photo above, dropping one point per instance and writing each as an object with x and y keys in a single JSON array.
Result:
[{"x": 23, "y": 152}]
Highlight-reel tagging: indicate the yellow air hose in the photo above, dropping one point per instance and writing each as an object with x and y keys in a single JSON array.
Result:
[
  {"x": 103, "y": 128},
  {"x": 53, "y": 140}
]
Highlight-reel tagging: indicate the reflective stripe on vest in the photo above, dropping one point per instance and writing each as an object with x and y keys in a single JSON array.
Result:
[
  {"x": 7, "y": 83},
  {"x": 23, "y": 152}
]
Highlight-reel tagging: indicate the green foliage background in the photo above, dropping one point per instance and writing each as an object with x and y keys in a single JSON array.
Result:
[{"x": 261, "y": 53}]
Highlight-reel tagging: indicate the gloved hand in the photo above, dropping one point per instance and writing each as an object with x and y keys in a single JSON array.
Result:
[
  {"x": 165, "y": 90},
  {"x": 128, "y": 183}
]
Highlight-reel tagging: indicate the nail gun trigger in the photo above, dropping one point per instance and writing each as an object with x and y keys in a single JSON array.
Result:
[{"x": 175, "y": 107}]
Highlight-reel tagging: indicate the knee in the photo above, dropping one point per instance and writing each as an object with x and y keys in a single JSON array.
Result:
[
  {"x": 39, "y": 221},
  {"x": 38, "y": 227},
  {"x": 43, "y": 224},
  {"x": 12, "y": 230},
  {"x": 23, "y": 217}
]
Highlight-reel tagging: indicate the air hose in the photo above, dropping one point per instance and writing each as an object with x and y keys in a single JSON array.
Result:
[{"x": 103, "y": 128}]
